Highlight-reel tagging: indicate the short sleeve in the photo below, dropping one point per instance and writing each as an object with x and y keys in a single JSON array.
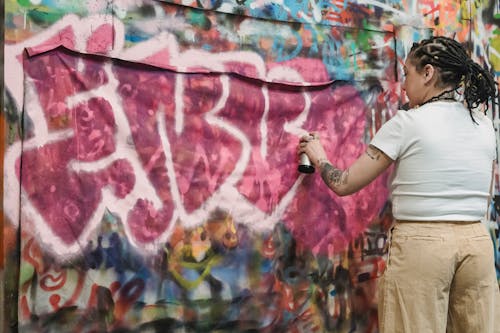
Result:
[{"x": 389, "y": 138}]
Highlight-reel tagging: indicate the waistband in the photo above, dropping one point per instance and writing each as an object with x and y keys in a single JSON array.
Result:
[{"x": 439, "y": 221}]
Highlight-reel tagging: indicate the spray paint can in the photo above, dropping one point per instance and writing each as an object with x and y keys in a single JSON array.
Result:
[{"x": 305, "y": 165}]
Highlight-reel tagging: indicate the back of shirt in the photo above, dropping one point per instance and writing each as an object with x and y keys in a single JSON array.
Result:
[{"x": 443, "y": 162}]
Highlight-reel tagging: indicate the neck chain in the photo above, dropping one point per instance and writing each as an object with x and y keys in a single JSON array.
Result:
[{"x": 444, "y": 96}]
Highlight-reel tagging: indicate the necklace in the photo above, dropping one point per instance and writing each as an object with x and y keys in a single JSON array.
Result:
[{"x": 444, "y": 96}]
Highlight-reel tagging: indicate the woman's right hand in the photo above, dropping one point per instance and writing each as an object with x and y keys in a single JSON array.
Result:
[{"x": 311, "y": 145}]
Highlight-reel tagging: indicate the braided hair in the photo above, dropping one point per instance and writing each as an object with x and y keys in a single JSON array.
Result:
[{"x": 455, "y": 68}]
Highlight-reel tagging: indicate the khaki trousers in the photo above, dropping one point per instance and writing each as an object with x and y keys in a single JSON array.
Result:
[{"x": 440, "y": 277}]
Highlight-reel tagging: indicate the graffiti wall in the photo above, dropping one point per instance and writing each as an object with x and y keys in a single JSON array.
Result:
[{"x": 150, "y": 168}]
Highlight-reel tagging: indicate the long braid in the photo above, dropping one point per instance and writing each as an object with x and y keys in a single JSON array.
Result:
[{"x": 456, "y": 69}]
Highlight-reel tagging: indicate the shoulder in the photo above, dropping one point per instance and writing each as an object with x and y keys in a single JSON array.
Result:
[
  {"x": 402, "y": 116},
  {"x": 397, "y": 122},
  {"x": 482, "y": 122},
  {"x": 392, "y": 135},
  {"x": 401, "y": 119},
  {"x": 481, "y": 118}
]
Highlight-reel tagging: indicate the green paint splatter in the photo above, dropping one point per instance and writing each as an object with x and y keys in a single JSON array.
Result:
[
  {"x": 354, "y": 62},
  {"x": 42, "y": 15},
  {"x": 26, "y": 273},
  {"x": 24, "y": 3},
  {"x": 495, "y": 44},
  {"x": 198, "y": 18}
]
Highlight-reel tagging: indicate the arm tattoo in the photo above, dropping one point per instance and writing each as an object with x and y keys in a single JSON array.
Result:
[
  {"x": 333, "y": 176},
  {"x": 373, "y": 152}
]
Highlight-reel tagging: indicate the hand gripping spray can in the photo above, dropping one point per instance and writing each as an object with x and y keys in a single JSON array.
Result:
[{"x": 305, "y": 165}]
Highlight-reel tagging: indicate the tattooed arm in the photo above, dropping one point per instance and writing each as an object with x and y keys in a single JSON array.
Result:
[
  {"x": 344, "y": 182},
  {"x": 362, "y": 172}
]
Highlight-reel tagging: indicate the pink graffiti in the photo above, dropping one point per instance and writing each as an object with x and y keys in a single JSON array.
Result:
[
  {"x": 335, "y": 220},
  {"x": 203, "y": 154},
  {"x": 99, "y": 40},
  {"x": 68, "y": 199}
]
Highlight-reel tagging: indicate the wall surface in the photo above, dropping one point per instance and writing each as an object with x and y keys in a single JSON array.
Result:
[{"x": 150, "y": 170}]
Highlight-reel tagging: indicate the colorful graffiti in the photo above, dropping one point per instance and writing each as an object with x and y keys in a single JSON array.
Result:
[{"x": 150, "y": 179}]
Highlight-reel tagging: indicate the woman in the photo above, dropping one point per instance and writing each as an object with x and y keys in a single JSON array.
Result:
[{"x": 440, "y": 274}]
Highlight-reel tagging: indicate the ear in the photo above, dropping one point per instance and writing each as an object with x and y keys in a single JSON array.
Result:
[{"x": 429, "y": 73}]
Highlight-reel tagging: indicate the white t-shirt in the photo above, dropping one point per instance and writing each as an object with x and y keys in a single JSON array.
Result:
[{"x": 443, "y": 162}]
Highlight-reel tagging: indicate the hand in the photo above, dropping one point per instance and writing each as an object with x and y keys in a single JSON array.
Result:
[{"x": 311, "y": 146}]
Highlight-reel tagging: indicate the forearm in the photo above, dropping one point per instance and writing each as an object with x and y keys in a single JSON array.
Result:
[
  {"x": 336, "y": 179},
  {"x": 359, "y": 174},
  {"x": 344, "y": 182}
]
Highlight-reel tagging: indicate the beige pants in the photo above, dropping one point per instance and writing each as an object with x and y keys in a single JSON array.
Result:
[{"x": 440, "y": 277}]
